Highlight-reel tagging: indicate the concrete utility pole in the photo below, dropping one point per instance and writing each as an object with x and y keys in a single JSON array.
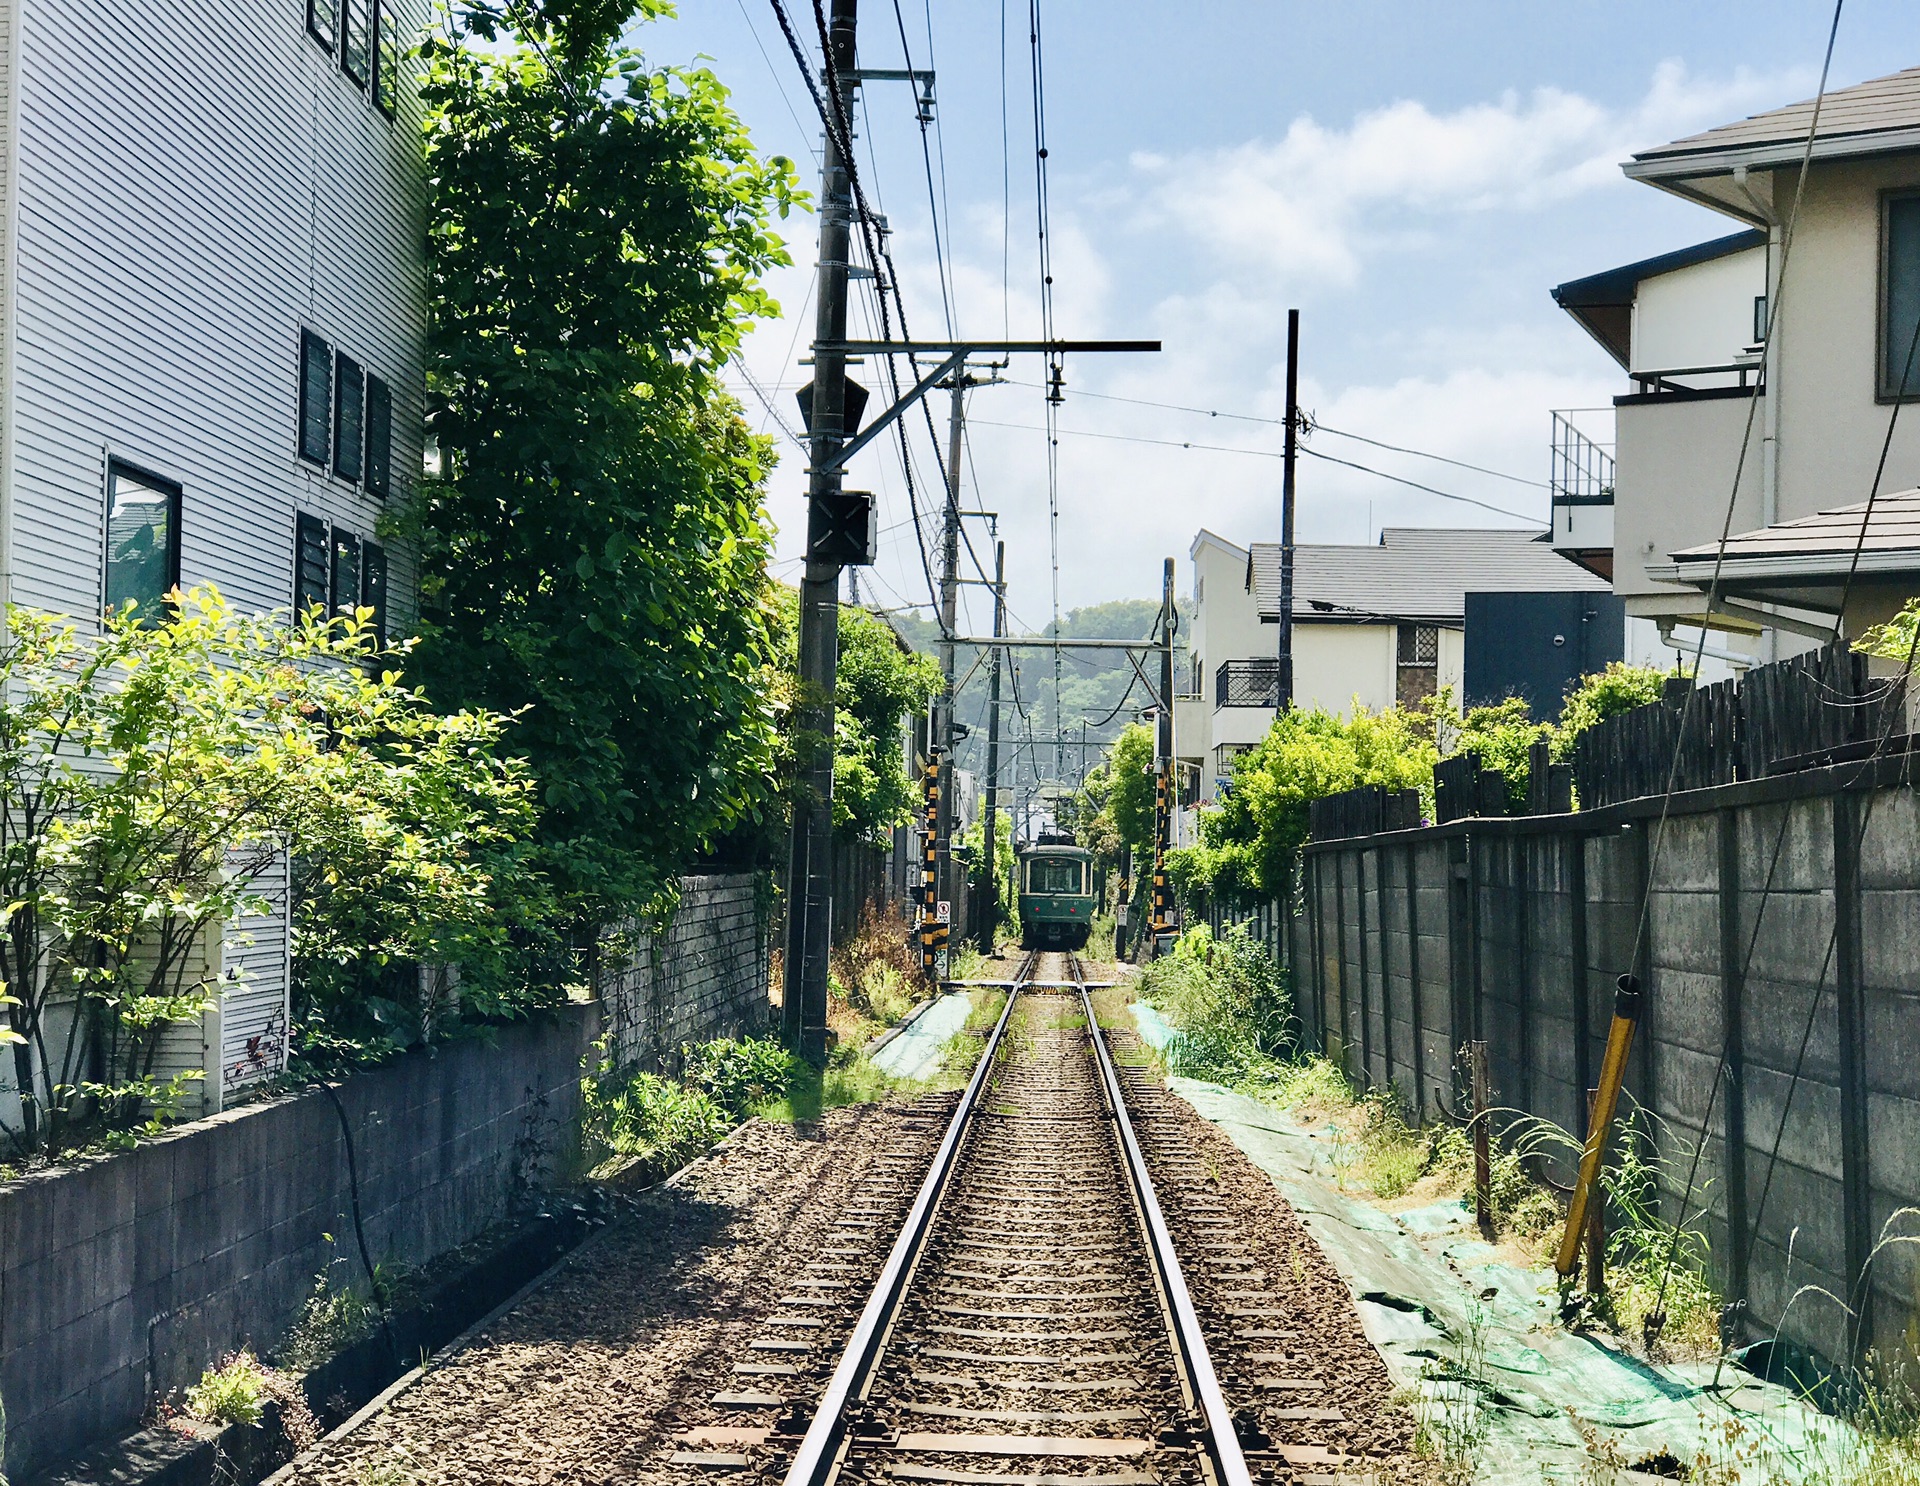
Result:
[
  {"x": 1163, "y": 762},
  {"x": 810, "y": 858},
  {"x": 957, "y": 386},
  {"x": 990, "y": 910},
  {"x": 1286, "y": 510}
]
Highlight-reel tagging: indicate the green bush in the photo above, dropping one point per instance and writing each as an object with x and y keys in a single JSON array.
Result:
[
  {"x": 742, "y": 1076},
  {"x": 1228, "y": 1004},
  {"x": 233, "y": 1393},
  {"x": 660, "y": 1123}
]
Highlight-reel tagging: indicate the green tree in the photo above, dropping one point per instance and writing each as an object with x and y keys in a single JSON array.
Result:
[
  {"x": 593, "y": 550},
  {"x": 1130, "y": 766},
  {"x": 879, "y": 684},
  {"x": 1603, "y": 694}
]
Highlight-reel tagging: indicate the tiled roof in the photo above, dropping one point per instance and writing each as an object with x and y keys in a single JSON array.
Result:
[
  {"x": 1421, "y": 573},
  {"x": 1893, "y": 526},
  {"x": 1854, "y": 120}
]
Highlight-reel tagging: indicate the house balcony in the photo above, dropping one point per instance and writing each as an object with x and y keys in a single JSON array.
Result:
[
  {"x": 1583, "y": 489},
  {"x": 1247, "y": 683}
]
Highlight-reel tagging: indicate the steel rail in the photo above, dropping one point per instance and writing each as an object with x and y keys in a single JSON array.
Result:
[
  {"x": 1222, "y": 1441},
  {"x": 818, "y": 1457}
]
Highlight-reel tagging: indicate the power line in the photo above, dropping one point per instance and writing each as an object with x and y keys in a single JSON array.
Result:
[{"x": 1131, "y": 438}]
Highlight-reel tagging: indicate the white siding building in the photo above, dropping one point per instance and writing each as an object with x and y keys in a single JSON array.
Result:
[{"x": 212, "y": 227}]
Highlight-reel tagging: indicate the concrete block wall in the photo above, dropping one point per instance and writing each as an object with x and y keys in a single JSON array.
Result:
[
  {"x": 707, "y": 976},
  {"x": 1779, "y": 915},
  {"x": 122, "y": 1278}
]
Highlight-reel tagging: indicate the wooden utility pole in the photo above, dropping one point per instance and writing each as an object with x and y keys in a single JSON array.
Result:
[
  {"x": 990, "y": 909},
  {"x": 810, "y": 854},
  {"x": 949, "y": 619},
  {"x": 1286, "y": 511}
]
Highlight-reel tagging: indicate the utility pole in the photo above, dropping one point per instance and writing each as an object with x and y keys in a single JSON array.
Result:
[
  {"x": 949, "y": 618},
  {"x": 1285, "y": 699},
  {"x": 810, "y": 858},
  {"x": 990, "y": 912},
  {"x": 1163, "y": 763}
]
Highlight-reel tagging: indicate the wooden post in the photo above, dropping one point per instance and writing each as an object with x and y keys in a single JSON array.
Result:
[
  {"x": 1482, "y": 1152},
  {"x": 1596, "y": 1226}
]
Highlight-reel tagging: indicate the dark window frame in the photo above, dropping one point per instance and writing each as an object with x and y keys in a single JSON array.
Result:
[
  {"x": 385, "y": 87},
  {"x": 305, "y": 594},
  {"x": 376, "y": 422},
  {"x": 338, "y": 540},
  {"x": 1759, "y": 319},
  {"x": 175, "y": 495},
  {"x": 373, "y": 586},
  {"x": 352, "y": 444},
  {"x": 364, "y": 55},
  {"x": 310, "y": 341},
  {"x": 327, "y": 37},
  {"x": 1882, "y": 371}
]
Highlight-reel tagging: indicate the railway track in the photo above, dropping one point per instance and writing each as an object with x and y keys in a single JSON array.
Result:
[{"x": 1031, "y": 1323}]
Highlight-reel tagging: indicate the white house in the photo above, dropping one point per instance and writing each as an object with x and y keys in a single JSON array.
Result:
[
  {"x": 1374, "y": 625},
  {"x": 1786, "y": 427},
  {"x": 212, "y": 331}
]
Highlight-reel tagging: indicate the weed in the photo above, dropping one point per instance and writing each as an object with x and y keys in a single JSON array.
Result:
[
  {"x": 331, "y": 1319},
  {"x": 875, "y": 976},
  {"x": 1228, "y": 1002},
  {"x": 741, "y": 1076},
  {"x": 848, "y": 1078},
  {"x": 386, "y": 1473},
  {"x": 237, "y": 1391},
  {"x": 659, "y": 1123},
  {"x": 1451, "y": 1421}
]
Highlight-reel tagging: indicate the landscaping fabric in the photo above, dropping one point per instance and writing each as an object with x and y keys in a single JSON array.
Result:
[
  {"x": 914, "y": 1052},
  {"x": 1477, "y": 1337}
]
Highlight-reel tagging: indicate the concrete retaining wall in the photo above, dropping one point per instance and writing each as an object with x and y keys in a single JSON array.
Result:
[
  {"x": 1779, "y": 914},
  {"x": 706, "y": 976},
  {"x": 122, "y": 1278}
]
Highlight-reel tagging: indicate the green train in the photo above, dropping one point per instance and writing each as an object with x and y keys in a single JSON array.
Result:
[{"x": 1056, "y": 894}]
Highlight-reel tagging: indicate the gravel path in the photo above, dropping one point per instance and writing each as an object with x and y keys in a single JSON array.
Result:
[{"x": 590, "y": 1378}]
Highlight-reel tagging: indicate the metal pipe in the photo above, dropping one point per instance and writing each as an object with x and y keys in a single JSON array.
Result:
[{"x": 1613, "y": 1073}]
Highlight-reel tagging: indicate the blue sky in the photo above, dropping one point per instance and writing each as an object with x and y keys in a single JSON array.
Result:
[{"x": 1414, "y": 177}]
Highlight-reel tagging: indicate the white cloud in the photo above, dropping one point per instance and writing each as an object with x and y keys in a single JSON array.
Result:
[{"x": 1318, "y": 197}]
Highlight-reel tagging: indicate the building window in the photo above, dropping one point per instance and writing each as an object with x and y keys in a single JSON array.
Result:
[
  {"x": 1900, "y": 297},
  {"x": 1417, "y": 672},
  {"x": 310, "y": 571},
  {"x": 316, "y": 397},
  {"x": 1759, "y": 319},
  {"x": 346, "y": 573},
  {"x": 143, "y": 540},
  {"x": 386, "y": 62},
  {"x": 373, "y": 588},
  {"x": 356, "y": 39},
  {"x": 349, "y": 418},
  {"x": 379, "y": 438},
  {"x": 323, "y": 20}
]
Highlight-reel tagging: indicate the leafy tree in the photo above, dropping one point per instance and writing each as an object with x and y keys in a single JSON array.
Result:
[
  {"x": 593, "y": 549},
  {"x": 150, "y": 773},
  {"x": 1248, "y": 840},
  {"x": 1502, "y": 737},
  {"x": 1603, "y": 694},
  {"x": 879, "y": 684},
  {"x": 1130, "y": 803}
]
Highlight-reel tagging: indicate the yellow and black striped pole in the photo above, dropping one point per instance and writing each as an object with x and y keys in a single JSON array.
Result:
[
  {"x": 1162, "y": 820},
  {"x": 929, "y": 881}
]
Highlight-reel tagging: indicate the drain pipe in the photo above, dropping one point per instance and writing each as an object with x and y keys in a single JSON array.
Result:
[
  {"x": 1769, "y": 371},
  {"x": 1735, "y": 658}
]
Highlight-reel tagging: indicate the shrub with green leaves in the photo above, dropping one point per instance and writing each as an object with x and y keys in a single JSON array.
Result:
[
  {"x": 661, "y": 1123},
  {"x": 741, "y": 1076},
  {"x": 1228, "y": 1004}
]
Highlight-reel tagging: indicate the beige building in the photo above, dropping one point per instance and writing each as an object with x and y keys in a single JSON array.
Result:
[
  {"x": 1374, "y": 624},
  {"x": 1785, "y": 425}
]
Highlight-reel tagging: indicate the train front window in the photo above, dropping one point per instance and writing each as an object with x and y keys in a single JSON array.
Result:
[{"x": 1055, "y": 875}]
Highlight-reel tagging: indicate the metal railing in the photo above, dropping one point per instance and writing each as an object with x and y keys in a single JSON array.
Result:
[
  {"x": 1729, "y": 375},
  {"x": 1582, "y": 468},
  {"x": 1247, "y": 683}
]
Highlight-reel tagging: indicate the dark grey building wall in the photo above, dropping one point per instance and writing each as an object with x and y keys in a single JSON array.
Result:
[
  {"x": 1766, "y": 930},
  {"x": 1536, "y": 645}
]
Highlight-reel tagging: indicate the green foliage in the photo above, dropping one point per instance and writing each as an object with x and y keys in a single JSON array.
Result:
[
  {"x": 1227, "y": 1001},
  {"x": 660, "y": 1123},
  {"x": 232, "y": 1393},
  {"x": 1897, "y": 638},
  {"x": 848, "y": 1078},
  {"x": 740, "y": 1076},
  {"x": 1603, "y": 694},
  {"x": 1004, "y": 864},
  {"x": 1130, "y": 797},
  {"x": 1248, "y": 840},
  {"x": 1502, "y": 736},
  {"x": 878, "y": 684},
  {"x": 149, "y": 776},
  {"x": 593, "y": 549}
]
